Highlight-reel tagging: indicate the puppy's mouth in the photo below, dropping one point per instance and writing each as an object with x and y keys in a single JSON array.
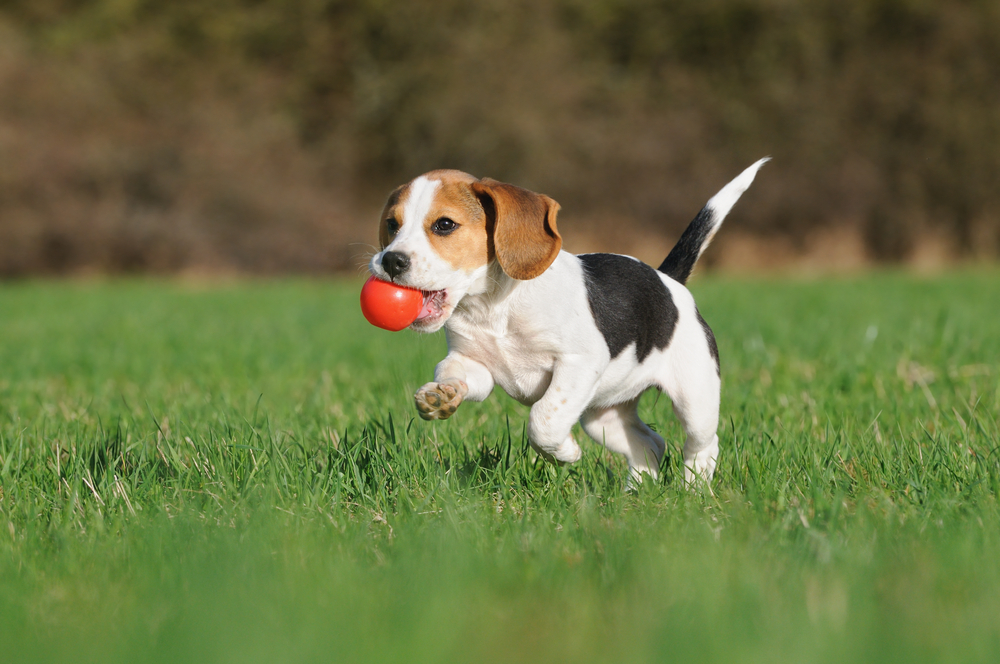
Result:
[{"x": 433, "y": 309}]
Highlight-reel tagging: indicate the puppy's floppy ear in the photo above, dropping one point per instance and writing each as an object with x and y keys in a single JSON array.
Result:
[{"x": 525, "y": 237}]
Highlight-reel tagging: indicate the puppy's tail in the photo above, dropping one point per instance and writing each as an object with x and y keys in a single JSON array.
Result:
[{"x": 699, "y": 233}]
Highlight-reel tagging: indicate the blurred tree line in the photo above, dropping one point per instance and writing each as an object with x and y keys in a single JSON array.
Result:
[{"x": 263, "y": 135}]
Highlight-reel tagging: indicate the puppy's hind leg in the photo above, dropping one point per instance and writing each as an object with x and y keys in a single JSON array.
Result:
[
  {"x": 620, "y": 430},
  {"x": 696, "y": 403}
]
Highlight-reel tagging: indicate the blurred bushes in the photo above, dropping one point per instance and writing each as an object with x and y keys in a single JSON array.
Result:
[{"x": 261, "y": 135}]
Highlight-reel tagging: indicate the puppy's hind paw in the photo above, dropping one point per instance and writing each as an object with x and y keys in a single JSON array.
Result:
[
  {"x": 568, "y": 452},
  {"x": 698, "y": 473},
  {"x": 439, "y": 401}
]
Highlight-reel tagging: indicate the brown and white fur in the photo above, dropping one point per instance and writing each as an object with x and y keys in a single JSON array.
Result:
[{"x": 576, "y": 338}]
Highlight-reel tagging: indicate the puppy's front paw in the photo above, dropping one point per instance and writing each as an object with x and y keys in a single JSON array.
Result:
[{"x": 439, "y": 401}]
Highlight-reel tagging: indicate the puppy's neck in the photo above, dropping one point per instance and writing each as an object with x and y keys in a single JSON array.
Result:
[{"x": 496, "y": 291}]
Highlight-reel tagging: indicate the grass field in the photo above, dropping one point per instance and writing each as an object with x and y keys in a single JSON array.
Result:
[{"x": 235, "y": 473}]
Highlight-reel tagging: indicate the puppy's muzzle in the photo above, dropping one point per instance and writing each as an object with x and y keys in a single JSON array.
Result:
[{"x": 395, "y": 263}]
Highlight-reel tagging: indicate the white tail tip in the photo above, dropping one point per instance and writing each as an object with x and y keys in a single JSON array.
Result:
[{"x": 724, "y": 201}]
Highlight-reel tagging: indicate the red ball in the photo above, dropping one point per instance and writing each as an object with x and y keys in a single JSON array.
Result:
[{"x": 389, "y": 306}]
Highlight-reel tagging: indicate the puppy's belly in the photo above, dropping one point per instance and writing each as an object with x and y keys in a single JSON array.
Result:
[
  {"x": 625, "y": 379},
  {"x": 526, "y": 387}
]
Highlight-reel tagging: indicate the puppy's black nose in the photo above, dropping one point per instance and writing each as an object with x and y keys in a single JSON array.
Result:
[{"x": 395, "y": 263}]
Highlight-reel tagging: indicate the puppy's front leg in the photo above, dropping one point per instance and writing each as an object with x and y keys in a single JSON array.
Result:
[
  {"x": 552, "y": 417},
  {"x": 456, "y": 377}
]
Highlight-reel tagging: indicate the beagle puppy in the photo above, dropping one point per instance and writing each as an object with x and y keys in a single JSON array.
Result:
[{"x": 576, "y": 338}]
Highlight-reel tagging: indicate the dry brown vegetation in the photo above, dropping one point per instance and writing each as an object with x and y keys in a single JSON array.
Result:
[{"x": 262, "y": 135}]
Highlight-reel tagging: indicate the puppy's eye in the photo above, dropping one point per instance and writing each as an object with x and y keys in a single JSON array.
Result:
[
  {"x": 391, "y": 225},
  {"x": 443, "y": 226}
]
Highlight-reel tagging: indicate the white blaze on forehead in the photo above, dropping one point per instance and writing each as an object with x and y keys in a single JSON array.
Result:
[
  {"x": 411, "y": 238},
  {"x": 419, "y": 202},
  {"x": 427, "y": 270}
]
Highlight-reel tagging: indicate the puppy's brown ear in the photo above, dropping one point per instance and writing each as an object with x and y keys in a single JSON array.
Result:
[{"x": 525, "y": 237}]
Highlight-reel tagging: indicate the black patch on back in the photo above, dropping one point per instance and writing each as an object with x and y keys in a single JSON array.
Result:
[
  {"x": 713, "y": 347},
  {"x": 629, "y": 302}
]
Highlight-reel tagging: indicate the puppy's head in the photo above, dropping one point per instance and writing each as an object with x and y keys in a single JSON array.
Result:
[{"x": 440, "y": 233}]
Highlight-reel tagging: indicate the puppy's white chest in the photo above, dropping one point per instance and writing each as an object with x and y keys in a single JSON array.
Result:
[{"x": 519, "y": 361}]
